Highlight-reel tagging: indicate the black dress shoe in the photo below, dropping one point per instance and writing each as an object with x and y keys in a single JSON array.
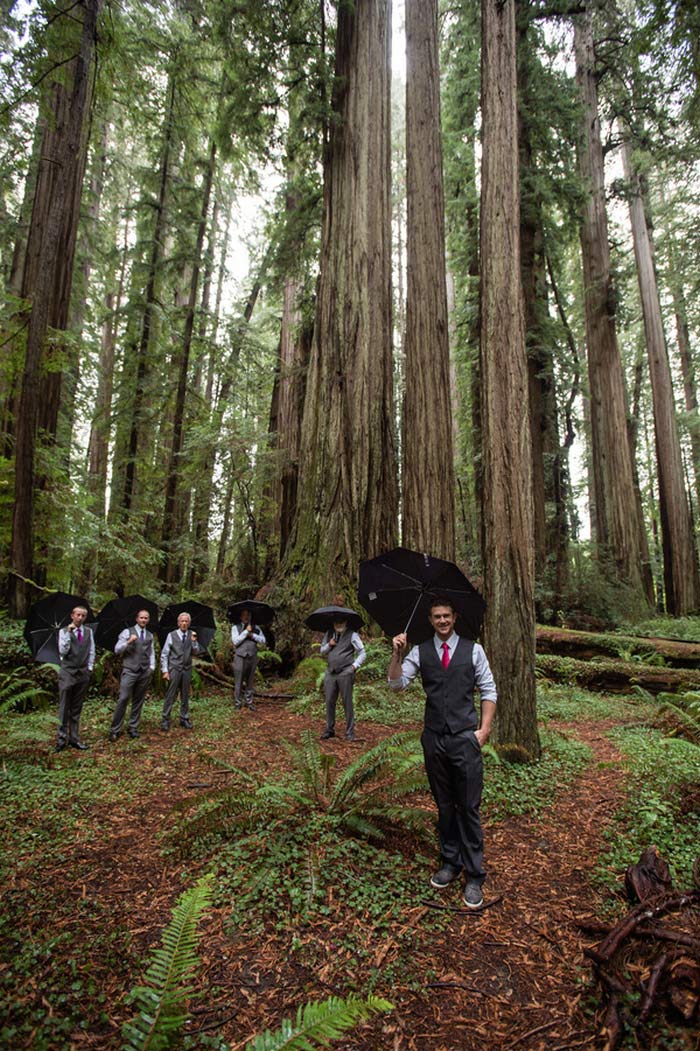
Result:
[
  {"x": 327, "y": 734},
  {"x": 60, "y": 746},
  {"x": 185, "y": 724},
  {"x": 79, "y": 745},
  {"x": 250, "y": 707},
  {"x": 113, "y": 735},
  {"x": 165, "y": 725},
  {"x": 133, "y": 734}
]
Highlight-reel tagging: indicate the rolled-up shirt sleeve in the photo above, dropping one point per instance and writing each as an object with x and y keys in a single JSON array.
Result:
[
  {"x": 482, "y": 674},
  {"x": 63, "y": 641},
  {"x": 122, "y": 641},
  {"x": 410, "y": 666},
  {"x": 164, "y": 654},
  {"x": 360, "y": 651}
]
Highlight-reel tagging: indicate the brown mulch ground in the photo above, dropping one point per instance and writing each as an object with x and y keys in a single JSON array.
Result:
[{"x": 507, "y": 977}]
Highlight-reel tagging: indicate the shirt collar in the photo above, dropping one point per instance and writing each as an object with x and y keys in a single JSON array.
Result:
[{"x": 451, "y": 642}]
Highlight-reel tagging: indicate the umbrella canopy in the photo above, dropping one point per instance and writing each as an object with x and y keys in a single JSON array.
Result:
[
  {"x": 202, "y": 621},
  {"x": 322, "y": 619},
  {"x": 121, "y": 613},
  {"x": 45, "y": 618},
  {"x": 397, "y": 589},
  {"x": 260, "y": 612}
]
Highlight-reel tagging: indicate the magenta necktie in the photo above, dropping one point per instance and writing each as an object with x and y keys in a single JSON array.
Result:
[
  {"x": 445, "y": 654},
  {"x": 80, "y": 634}
]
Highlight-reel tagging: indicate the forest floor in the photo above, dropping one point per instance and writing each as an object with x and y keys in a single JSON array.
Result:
[{"x": 92, "y": 887}]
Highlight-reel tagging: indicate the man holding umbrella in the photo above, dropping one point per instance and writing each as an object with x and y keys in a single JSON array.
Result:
[
  {"x": 450, "y": 668},
  {"x": 176, "y": 665},
  {"x": 246, "y": 637},
  {"x": 345, "y": 653},
  {"x": 138, "y": 665},
  {"x": 76, "y": 650}
]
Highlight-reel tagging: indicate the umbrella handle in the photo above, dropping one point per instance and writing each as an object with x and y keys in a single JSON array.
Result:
[{"x": 405, "y": 630}]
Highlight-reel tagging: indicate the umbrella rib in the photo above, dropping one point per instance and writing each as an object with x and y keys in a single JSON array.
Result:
[{"x": 399, "y": 573}]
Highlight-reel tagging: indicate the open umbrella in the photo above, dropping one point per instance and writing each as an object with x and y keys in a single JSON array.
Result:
[
  {"x": 397, "y": 589},
  {"x": 203, "y": 622},
  {"x": 322, "y": 619},
  {"x": 260, "y": 612},
  {"x": 120, "y": 613},
  {"x": 44, "y": 620}
]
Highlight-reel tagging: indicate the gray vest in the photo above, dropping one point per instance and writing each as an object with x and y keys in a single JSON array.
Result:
[
  {"x": 449, "y": 692},
  {"x": 180, "y": 653},
  {"x": 343, "y": 653},
  {"x": 79, "y": 653},
  {"x": 247, "y": 648},
  {"x": 137, "y": 656}
]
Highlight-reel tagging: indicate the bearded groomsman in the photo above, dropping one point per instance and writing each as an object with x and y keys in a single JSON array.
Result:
[
  {"x": 138, "y": 665},
  {"x": 176, "y": 665},
  {"x": 76, "y": 650},
  {"x": 246, "y": 637}
]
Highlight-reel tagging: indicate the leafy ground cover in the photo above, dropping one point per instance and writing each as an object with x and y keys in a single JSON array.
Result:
[{"x": 99, "y": 847}]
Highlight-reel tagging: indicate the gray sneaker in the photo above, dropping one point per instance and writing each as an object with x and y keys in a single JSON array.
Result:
[
  {"x": 444, "y": 876},
  {"x": 473, "y": 898}
]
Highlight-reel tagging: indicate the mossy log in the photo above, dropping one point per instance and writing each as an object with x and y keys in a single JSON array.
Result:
[
  {"x": 584, "y": 645},
  {"x": 615, "y": 676}
]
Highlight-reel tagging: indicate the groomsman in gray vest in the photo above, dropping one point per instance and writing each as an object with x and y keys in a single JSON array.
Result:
[
  {"x": 450, "y": 668},
  {"x": 138, "y": 665},
  {"x": 176, "y": 665},
  {"x": 76, "y": 650},
  {"x": 345, "y": 655},
  {"x": 246, "y": 637}
]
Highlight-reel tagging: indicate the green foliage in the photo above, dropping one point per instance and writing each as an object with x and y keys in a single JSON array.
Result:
[
  {"x": 19, "y": 693},
  {"x": 684, "y": 709},
  {"x": 368, "y": 794},
  {"x": 685, "y": 629},
  {"x": 527, "y": 788},
  {"x": 317, "y": 1025},
  {"x": 161, "y": 1002},
  {"x": 663, "y": 808},
  {"x": 307, "y": 675},
  {"x": 570, "y": 704}
]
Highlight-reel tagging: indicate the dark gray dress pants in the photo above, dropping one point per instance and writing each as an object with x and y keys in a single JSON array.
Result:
[
  {"x": 243, "y": 676},
  {"x": 72, "y": 691},
  {"x": 179, "y": 680},
  {"x": 455, "y": 769}
]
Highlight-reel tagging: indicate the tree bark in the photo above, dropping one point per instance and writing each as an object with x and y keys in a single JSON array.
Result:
[
  {"x": 507, "y": 506},
  {"x": 348, "y": 462},
  {"x": 619, "y": 532},
  {"x": 48, "y": 275},
  {"x": 428, "y": 515},
  {"x": 681, "y": 578}
]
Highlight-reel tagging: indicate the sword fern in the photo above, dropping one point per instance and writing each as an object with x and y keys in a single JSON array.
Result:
[
  {"x": 161, "y": 1002},
  {"x": 317, "y": 1024}
]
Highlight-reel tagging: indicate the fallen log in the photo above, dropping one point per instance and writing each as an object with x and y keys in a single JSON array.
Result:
[
  {"x": 609, "y": 676},
  {"x": 587, "y": 644}
]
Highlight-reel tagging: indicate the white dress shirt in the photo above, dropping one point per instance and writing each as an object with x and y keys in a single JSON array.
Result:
[{"x": 410, "y": 666}]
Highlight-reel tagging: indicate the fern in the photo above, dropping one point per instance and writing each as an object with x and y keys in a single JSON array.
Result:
[
  {"x": 161, "y": 1002},
  {"x": 317, "y": 1025},
  {"x": 16, "y": 691}
]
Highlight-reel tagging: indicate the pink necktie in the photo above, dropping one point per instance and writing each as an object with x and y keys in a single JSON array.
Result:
[
  {"x": 80, "y": 634},
  {"x": 445, "y": 654}
]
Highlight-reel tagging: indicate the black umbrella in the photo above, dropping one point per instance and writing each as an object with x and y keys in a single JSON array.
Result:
[
  {"x": 121, "y": 613},
  {"x": 203, "y": 622},
  {"x": 45, "y": 618},
  {"x": 397, "y": 589},
  {"x": 322, "y": 619},
  {"x": 260, "y": 612}
]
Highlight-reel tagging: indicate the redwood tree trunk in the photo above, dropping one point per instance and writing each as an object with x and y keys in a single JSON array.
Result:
[
  {"x": 427, "y": 475},
  {"x": 619, "y": 529},
  {"x": 49, "y": 262},
  {"x": 348, "y": 463},
  {"x": 681, "y": 582},
  {"x": 507, "y": 505}
]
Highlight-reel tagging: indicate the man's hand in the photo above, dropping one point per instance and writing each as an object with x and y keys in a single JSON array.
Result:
[
  {"x": 132, "y": 638},
  {"x": 332, "y": 642},
  {"x": 71, "y": 626},
  {"x": 166, "y": 676},
  {"x": 194, "y": 636},
  {"x": 398, "y": 643},
  {"x": 482, "y": 736}
]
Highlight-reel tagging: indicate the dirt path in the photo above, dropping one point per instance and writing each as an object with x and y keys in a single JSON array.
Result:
[{"x": 505, "y": 978}]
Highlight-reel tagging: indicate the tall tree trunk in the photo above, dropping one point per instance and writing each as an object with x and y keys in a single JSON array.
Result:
[
  {"x": 428, "y": 515},
  {"x": 348, "y": 464},
  {"x": 141, "y": 349},
  {"x": 681, "y": 578},
  {"x": 619, "y": 530},
  {"x": 170, "y": 572},
  {"x": 508, "y": 522},
  {"x": 49, "y": 262}
]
